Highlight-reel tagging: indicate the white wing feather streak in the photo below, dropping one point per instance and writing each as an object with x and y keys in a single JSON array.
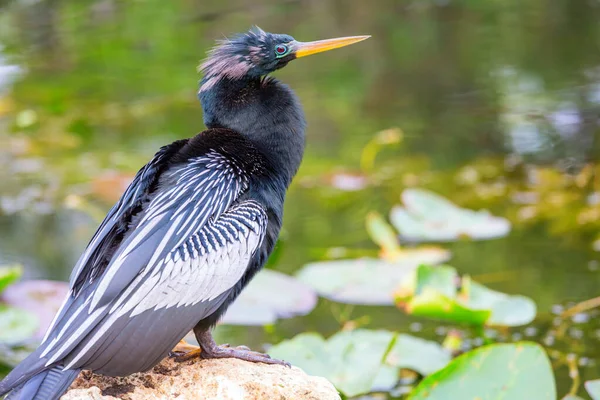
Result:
[
  {"x": 194, "y": 277},
  {"x": 174, "y": 204},
  {"x": 184, "y": 269}
]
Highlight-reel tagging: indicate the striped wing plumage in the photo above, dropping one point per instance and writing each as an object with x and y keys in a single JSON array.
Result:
[{"x": 189, "y": 248}]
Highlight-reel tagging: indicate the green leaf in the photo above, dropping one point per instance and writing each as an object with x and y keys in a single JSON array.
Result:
[
  {"x": 432, "y": 292},
  {"x": 349, "y": 359},
  {"x": 16, "y": 325},
  {"x": 271, "y": 295},
  {"x": 593, "y": 388},
  {"x": 382, "y": 233},
  {"x": 432, "y": 304},
  {"x": 9, "y": 274},
  {"x": 519, "y": 371},
  {"x": 441, "y": 279}
]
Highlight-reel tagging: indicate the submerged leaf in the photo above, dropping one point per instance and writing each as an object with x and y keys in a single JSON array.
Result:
[
  {"x": 509, "y": 371},
  {"x": 384, "y": 236},
  {"x": 269, "y": 296},
  {"x": 349, "y": 359}
]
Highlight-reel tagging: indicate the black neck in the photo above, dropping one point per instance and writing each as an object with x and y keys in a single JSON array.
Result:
[{"x": 264, "y": 111}]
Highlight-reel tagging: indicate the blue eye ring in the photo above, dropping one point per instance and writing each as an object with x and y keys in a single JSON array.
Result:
[{"x": 281, "y": 50}]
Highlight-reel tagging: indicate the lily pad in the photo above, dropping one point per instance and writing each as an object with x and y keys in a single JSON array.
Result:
[
  {"x": 593, "y": 388},
  {"x": 8, "y": 275},
  {"x": 349, "y": 359},
  {"x": 41, "y": 298},
  {"x": 519, "y": 371},
  {"x": 409, "y": 352},
  {"x": 362, "y": 281},
  {"x": 507, "y": 310},
  {"x": 269, "y": 296},
  {"x": 16, "y": 326},
  {"x": 428, "y": 217},
  {"x": 419, "y": 355},
  {"x": 438, "y": 292}
]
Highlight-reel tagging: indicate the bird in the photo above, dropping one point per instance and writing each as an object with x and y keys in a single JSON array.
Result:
[{"x": 195, "y": 225}]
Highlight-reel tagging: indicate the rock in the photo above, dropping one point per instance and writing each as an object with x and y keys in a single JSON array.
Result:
[{"x": 225, "y": 379}]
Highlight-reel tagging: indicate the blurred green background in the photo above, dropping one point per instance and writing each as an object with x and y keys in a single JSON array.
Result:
[{"x": 493, "y": 99}]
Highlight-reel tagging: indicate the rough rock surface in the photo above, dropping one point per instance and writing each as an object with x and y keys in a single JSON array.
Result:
[{"x": 225, "y": 379}]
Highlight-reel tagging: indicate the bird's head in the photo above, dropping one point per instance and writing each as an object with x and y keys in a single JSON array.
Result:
[{"x": 257, "y": 53}]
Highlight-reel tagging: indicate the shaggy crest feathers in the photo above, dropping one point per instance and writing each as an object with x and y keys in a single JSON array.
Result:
[{"x": 232, "y": 57}]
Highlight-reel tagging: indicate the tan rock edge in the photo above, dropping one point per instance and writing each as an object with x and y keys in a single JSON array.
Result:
[{"x": 225, "y": 379}]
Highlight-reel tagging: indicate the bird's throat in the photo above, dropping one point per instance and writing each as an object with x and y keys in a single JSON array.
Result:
[{"x": 264, "y": 111}]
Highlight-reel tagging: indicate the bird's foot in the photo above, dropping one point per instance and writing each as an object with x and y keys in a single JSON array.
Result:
[
  {"x": 184, "y": 347},
  {"x": 184, "y": 351},
  {"x": 211, "y": 350},
  {"x": 242, "y": 353}
]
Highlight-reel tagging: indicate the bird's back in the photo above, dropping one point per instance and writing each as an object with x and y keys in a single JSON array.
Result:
[{"x": 176, "y": 249}]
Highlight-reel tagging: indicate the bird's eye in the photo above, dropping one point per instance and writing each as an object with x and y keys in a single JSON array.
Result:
[{"x": 281, "y": 50}]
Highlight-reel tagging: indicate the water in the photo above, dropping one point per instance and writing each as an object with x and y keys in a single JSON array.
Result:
[{"x": 90, "y": 89}]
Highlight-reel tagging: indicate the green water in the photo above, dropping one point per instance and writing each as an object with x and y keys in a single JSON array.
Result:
[{"x": 100, "y": 85}]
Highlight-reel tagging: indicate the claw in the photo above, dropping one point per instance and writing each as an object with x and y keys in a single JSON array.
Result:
[
  {"x": 190, "y": 355},
  {"x": 184, "y": 351},
  {"x": 211, "y": 350}
]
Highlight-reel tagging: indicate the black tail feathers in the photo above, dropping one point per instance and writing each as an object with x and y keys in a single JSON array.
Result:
[
  {"x": 50, "y": 384},
  {"x": 33, "y": 380}
]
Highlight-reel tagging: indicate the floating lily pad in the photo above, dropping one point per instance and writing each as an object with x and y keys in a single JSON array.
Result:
[
  {"x": 428, "y": 217},
  {"x": 507, "y": 310},
  {"x": 8, "y": 275},
  {"x": 384, "y": 236},
  {"x": 363, "y": 281},
  {"x": 438, "y": 292},
  {"x": 409, "y": 352},
  {"x": 593, "y": 388},
  {"x": 519, "y": 371},
  {"x": 349, "y": 359},
  {"x": 419, "y": 355},
  {"x": 269, "y": 296},
  {"x": 16, "y": 326},
  {"x": 39, "y": 297}
]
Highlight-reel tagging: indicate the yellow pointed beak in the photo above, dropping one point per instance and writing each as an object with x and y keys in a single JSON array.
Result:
[{"x": 304, "y": 49}]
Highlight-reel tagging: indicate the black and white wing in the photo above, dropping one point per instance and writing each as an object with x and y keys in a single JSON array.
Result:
[
  {"x": 88, "y": 266},
  {"x": 190, "y": 246}
]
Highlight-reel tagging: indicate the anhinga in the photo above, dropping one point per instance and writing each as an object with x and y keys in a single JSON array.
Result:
[{"x": 193, "y": 228}]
